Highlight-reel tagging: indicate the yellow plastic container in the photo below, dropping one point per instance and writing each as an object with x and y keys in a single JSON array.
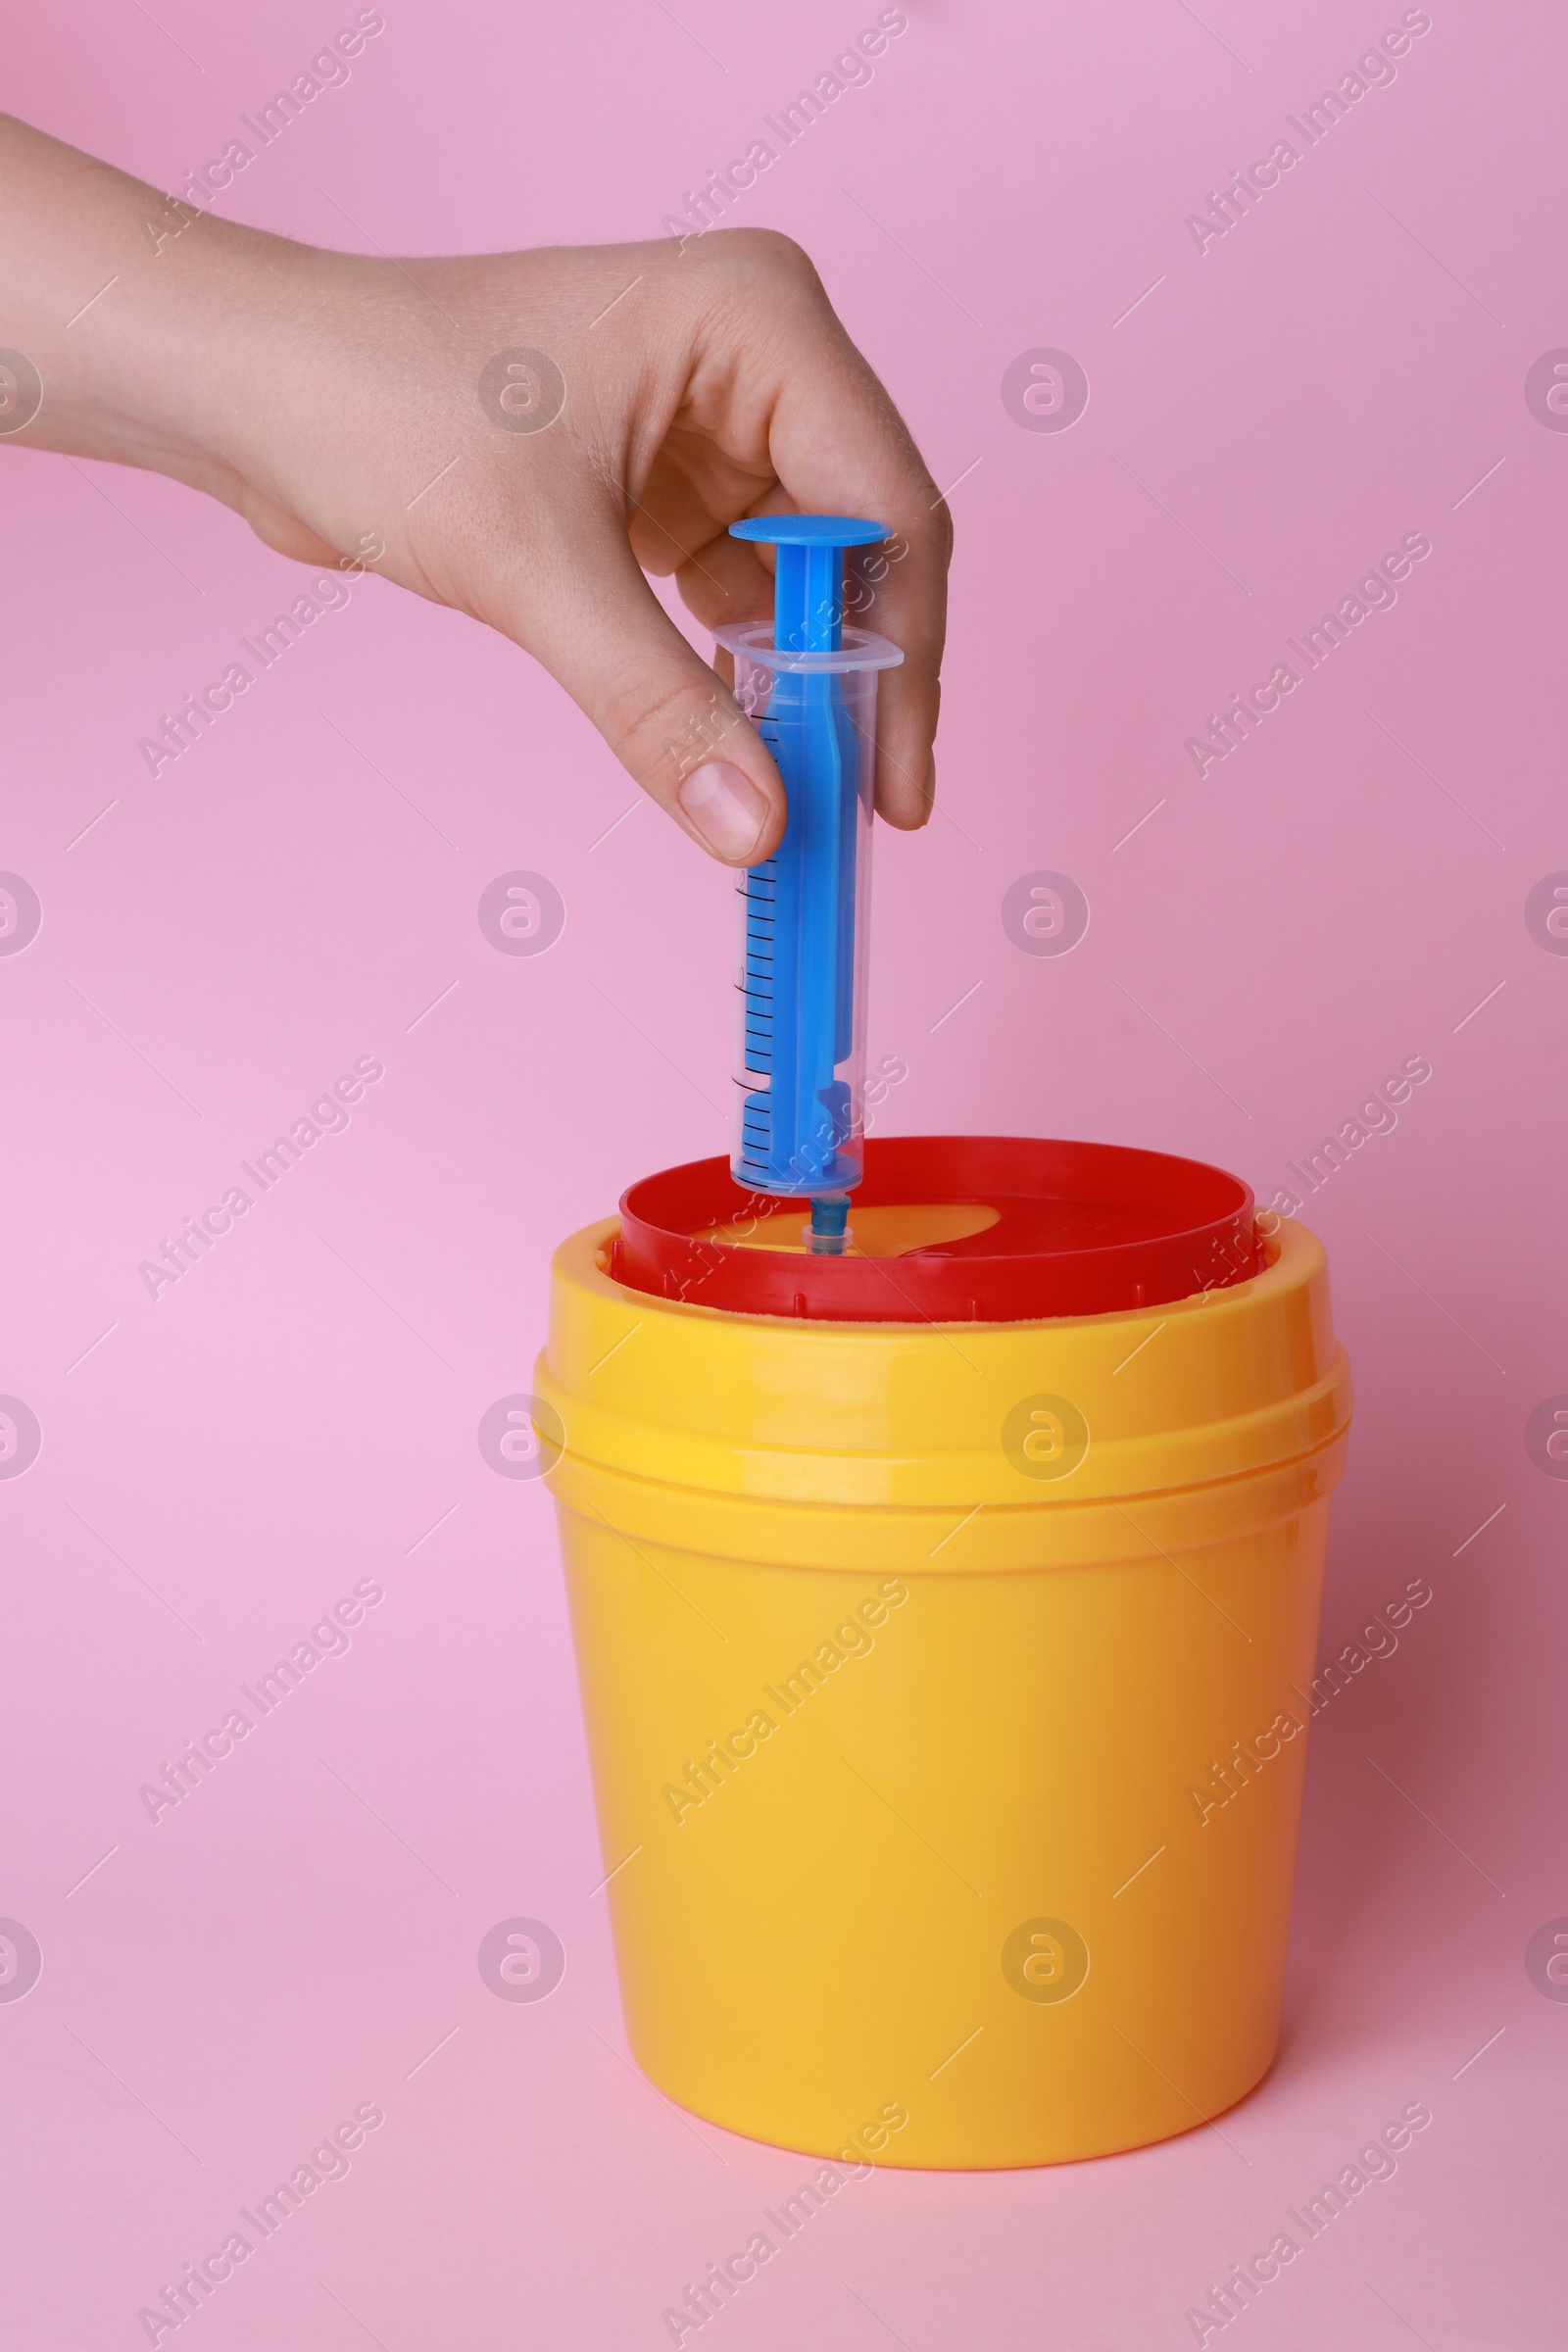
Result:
[{"x": 944, "y": 1688}]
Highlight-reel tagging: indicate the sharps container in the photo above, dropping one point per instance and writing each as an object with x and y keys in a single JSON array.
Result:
[{"x": 945, "y": 1611}]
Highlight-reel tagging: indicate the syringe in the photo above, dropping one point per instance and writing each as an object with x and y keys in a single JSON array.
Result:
[{"x": 808, "y": 685}]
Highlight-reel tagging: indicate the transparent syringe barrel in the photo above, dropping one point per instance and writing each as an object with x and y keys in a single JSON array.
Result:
[{"x": 805, "y": 917}]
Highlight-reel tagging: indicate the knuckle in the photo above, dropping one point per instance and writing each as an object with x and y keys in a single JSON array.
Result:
[
  {"x": 765, "y": 248},
  {"x": 662, "y": 732},
  {"x": 932, "y": 538}
]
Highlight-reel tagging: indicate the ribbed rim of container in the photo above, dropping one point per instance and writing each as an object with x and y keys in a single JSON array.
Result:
[{"x": 1199, "y": 1236}]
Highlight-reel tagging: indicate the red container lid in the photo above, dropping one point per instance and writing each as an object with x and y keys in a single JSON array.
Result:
[{"x": 1037, "y": 1229}]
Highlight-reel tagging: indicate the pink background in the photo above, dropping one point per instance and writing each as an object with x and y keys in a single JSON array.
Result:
[{"x": 300, "y": 1412}]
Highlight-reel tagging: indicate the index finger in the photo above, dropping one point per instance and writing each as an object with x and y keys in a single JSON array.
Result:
[{"x": 840, "y": 447}]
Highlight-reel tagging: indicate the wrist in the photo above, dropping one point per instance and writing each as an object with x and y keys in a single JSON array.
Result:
[{"x": 161, "y": 336}]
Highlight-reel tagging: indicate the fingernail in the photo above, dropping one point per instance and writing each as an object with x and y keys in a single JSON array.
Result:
[{"x": 725, "y": 806}]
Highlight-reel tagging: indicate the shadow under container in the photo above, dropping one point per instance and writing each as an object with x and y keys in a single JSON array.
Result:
[{"x": 946, "y": 1680}]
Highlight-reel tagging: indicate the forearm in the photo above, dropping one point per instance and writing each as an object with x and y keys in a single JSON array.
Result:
[{"x": 152, "y": 328}]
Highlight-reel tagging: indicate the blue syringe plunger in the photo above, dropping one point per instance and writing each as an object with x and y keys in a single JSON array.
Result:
[
  {"x": 810, "y": 685},
  {"x": 808, "y": 574}
]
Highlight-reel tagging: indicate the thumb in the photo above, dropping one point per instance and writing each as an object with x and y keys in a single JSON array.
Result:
[{"x": 667, "y": 717}]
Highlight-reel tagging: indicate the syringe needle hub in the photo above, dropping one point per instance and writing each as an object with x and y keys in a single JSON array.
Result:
[{"x": 828, "y": 1234}]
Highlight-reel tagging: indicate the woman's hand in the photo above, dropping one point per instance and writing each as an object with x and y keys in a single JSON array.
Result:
[{"x": 518, "y": 435}]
